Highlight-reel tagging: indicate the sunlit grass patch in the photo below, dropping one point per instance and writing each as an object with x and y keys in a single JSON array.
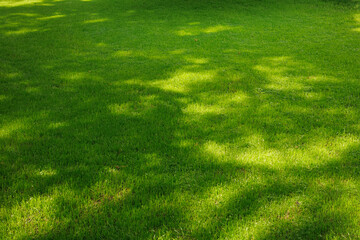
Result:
[
  {"x": 16, "y": 3},
  {"x": 184, "y": 80},
  {"x": 197, "y": 30}
]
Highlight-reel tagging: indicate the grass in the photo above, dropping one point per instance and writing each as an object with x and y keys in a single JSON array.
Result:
[{"x": 179, "y": 119}]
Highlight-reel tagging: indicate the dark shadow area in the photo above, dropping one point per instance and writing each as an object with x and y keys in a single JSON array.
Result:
[{"x": 347, "y": 3}]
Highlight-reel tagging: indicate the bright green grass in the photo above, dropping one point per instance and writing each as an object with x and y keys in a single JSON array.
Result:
[{"x": 179, "y": 119}]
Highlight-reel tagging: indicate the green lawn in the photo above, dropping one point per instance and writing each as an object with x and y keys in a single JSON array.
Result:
[{"x": 180, "y": 119}]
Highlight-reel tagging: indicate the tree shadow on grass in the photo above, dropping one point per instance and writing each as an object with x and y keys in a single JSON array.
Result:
[
  {"x": 329, "y": 190},
  {"x": 348, "y": 3},
  {"x": 118, "y": 137}
]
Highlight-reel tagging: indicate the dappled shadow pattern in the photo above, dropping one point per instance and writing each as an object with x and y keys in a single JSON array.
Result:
[{"x": 214, "y": 121}]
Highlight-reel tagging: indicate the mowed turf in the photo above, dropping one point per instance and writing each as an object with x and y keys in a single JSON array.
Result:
[{"x": 179, "y": 119}]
